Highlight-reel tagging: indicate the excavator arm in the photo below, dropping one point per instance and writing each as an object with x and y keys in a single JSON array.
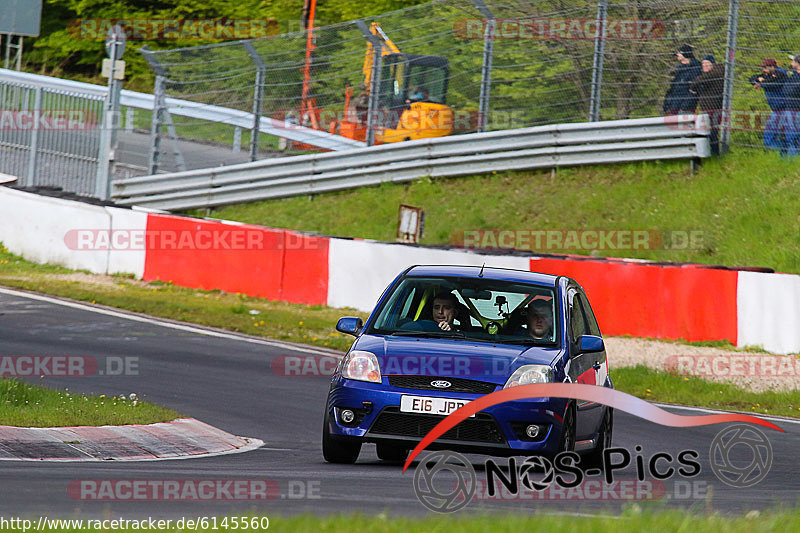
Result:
[{"x": 387, "y": 47}]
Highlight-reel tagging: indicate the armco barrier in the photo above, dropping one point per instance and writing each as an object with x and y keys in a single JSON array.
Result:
[
  {"x": 360, "y": 270},
  {"x": 645, "y": 300},
  {"x": 555, "y": 145},
  {"x": 634, "y": 298},
  {"x": 35, "y": 227},
  {"x": 768, "y": 311},
  {"x": 269, "y": 263}
]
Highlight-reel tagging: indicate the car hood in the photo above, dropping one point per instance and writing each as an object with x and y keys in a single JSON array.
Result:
[{"x": 452, "y": 358}]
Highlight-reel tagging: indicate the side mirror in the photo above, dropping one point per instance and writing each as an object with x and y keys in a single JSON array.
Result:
[
  {"x": 590, "y": 343},
  {"x": 350, "y": 324}
]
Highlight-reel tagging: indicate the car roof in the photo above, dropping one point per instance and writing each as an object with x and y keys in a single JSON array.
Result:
[{"x": 495, "y": 273}]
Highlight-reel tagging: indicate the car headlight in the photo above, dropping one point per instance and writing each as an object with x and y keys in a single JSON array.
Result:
[
  {"x": 362, "y": 366},
  {"x": 528, "y": 374}
]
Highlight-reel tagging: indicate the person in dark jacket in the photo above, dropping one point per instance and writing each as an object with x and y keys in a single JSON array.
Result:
[
  {"x": 791, "y": 99},
  {"x": 771, "y": 79},
  {"x": 708, "y": 87},
  {"x": 679, "y": 100}
]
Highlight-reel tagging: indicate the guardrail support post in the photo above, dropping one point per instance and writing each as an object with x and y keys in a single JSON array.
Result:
[
  {"x": 486, "y": 67},
  {"x": 727, "y": 91},
  {"x": 237, "y": 140},
  {"x": 258, "y": 97},
  {"x": 597, "y": 63},
  {"x": 34, "y": 144}
]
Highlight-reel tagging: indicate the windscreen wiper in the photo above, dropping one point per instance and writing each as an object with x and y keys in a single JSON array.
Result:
[{"x": 432, "y": 334}]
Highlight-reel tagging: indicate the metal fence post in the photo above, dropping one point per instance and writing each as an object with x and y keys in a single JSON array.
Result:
[
  {"x": 108, "y": 133},
  {"x": 374, "y": 90},
  {"x": 258, "y": 97},
  {"x": 597, "y": 63},
  {"x": 730, "y": 64},
  {"x": 159, "y": 108},
  {"x": 486, "y": 67},
  {"x": 34, "y": 144}
]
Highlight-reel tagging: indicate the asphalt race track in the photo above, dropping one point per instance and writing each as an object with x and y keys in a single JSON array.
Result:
[{"x": 227, "y": 381}]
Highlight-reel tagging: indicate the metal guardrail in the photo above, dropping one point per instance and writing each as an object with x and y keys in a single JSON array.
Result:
[
  {"x": 679, "y": 137},
  {"x": 195, "y": 110}
]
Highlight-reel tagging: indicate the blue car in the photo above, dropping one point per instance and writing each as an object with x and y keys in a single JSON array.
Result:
[{"x": 441, "y": 336}]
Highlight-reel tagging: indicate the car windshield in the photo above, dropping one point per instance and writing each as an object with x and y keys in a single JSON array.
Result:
[{"x": 470, "y": 308}]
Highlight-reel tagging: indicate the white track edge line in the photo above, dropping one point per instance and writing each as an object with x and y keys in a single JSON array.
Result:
[{"x": 166, "y": 324}]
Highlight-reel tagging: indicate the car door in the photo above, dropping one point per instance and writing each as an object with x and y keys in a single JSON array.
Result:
[
  {"x": 582, "y": 367},
  {"x": 601, "y": 360}
]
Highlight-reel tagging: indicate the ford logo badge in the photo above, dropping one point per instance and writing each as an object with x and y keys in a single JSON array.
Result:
[{"x": 441, "y": 384}]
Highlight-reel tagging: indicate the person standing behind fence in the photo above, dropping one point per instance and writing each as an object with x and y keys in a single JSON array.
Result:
[
  {"x": 708, "y": 87},
  {"x": 791, "y": 98},
  {"x": 679, "y": 100},
  {"x": 771, "y": 79}
]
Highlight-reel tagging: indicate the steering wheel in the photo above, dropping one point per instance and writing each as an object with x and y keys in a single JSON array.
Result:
[{"x": 420, "y": 325}]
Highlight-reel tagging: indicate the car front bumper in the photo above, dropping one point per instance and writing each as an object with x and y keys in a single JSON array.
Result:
[{"x": 497, "y": 430}]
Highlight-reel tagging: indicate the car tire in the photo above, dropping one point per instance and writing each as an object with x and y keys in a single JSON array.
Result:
[
  {"x": 594, "y": 459},
  {"x": 566, "y": 442},
  {"x": 391, "y": 453},
  {"x": 338, "y": 451}
]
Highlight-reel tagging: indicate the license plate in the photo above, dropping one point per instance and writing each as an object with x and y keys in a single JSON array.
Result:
[{"x": 430, "y": 405}]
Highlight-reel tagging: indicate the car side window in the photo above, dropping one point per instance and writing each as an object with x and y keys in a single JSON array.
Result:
[
  {"x": 576, "y": 319},
  {"x": 591, "y": 321}
]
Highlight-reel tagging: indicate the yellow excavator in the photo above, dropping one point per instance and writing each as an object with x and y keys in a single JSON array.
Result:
[{"x": 411, "y": 100}]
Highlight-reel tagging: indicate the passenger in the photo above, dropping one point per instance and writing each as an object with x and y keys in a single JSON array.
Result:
[{"x": 539, "y": 320}]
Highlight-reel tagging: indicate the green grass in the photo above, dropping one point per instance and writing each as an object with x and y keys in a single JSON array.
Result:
[
  {"x": 745, "y": 204},
  {"x": 659, "y": 386},
  {"x": 26, "y": 405},
  {"x": 632, "y": 520},
  {"x": 310, "y": 324}
]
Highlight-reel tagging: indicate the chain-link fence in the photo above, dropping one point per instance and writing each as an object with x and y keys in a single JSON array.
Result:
[{"x": 494, "y": 64}]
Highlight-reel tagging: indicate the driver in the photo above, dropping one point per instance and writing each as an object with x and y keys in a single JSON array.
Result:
[
  {"x": 445, "y": 305},
  {"x": 539, "y": 320}
]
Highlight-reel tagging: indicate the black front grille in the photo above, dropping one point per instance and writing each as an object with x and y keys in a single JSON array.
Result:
[
  {"x": 482, "y": 428},
  {"x": 469, "y": 386}
]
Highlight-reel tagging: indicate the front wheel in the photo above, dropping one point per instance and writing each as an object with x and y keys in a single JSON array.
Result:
[
  {"x": 567, "y": 441},
  {"x": 338, "y": 451},
  {"x": 594, "y": 459}
]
